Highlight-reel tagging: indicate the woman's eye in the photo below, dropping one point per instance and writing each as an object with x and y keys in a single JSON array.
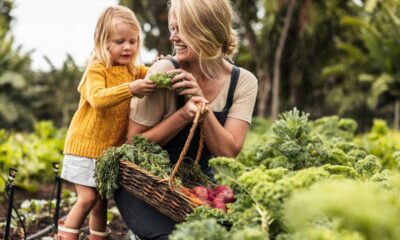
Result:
[{"x": 172, "y": 29}]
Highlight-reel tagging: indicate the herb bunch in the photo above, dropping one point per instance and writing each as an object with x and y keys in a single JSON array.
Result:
[
  {"x": 163, "y": 80},
  {"x": 149, "y": 156}
]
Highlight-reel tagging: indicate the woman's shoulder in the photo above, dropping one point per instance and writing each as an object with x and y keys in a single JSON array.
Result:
[
  {"x": 246, "y": 74},
  {"x": 161, "y": 66},
  {"x": 247, "y": 78}
]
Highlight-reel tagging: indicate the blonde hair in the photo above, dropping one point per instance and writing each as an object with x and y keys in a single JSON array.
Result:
[
  {"x": 105, "y": 28},
  {"x": 206, "y": 27}
]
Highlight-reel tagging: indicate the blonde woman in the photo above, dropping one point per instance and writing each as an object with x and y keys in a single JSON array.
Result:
[
  {"x": 204, "y": 44},
  {"x": 100, "y": 121}
]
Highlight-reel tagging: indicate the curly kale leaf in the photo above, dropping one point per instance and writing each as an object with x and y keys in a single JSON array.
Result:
[
  {"x": 368, "y": 166},
  {"x": 227, "y": 169},
  {"x": 163, "y": 80},
  {"x": 201, "y": 229}
]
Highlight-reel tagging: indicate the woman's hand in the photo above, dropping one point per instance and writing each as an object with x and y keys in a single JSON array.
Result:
[
  {"x": 190, "y": 108},
  {"x": 185, "y": 83}
]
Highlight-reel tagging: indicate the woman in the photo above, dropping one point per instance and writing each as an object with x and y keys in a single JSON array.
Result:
[{"x": 204, "y": 43}]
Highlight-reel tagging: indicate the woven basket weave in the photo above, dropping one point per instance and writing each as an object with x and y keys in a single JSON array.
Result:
[{"x": 157, "y": 192}]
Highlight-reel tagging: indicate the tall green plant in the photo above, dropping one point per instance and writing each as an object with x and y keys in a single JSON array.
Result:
[
  {"x": 59, "y": 95},
  {"x": 14, "y": 87},
  {"x": 368, "y": 66}
]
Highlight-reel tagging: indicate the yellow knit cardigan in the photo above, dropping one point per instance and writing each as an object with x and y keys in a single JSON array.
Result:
[{"x": 102, "y": 115}]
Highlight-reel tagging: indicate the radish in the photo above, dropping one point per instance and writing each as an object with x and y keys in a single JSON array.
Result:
[
  {"x": 220, "y": 188},
  {"x": 227, "y": 195},
  {"x": 202, "y": 193},
  {"x": 219, "y": 203}
]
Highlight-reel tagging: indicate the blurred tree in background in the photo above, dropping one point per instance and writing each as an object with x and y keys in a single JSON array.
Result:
[
  {"x": 153, "y": 17},
  {"x": 59, "y": 85},
  {"x": 14, "y": 88},
  {"x": 324, "y": 57},
  {"x": 27, "y": 96},
  {"x": 368, "y": 63}
]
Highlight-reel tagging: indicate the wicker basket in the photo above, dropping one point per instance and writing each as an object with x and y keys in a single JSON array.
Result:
[{"x": 157, "y": 192}]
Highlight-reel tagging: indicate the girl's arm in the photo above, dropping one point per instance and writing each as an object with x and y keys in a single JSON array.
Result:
[{"x": 99, "y": 96}]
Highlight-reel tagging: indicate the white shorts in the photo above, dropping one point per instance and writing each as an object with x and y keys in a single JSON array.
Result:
[{"x": 79, "y": 170}]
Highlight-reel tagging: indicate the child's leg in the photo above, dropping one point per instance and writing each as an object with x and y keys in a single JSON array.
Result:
[
  {"x": 98, "y": 221},
  {"x": 98, "y": 215},
  {"x": 87, "y": 197}
]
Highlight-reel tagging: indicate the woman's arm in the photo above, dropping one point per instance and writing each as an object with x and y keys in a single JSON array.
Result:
[
  {"x": 162, "y": 132},
  {"x": 166, "y": 129},
  {"x": 225, "y": 140}
]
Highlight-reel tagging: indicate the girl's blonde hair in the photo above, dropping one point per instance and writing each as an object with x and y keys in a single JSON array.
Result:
[
  {"x": 206, "y": 28},
  {"x": 105, "y": 28}
]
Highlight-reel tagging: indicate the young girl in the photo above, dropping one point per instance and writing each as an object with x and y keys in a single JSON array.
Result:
[{"x": 100, "y": 122}]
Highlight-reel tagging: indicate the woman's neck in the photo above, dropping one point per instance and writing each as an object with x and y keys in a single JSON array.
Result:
[{"x": 220, "y": 70}]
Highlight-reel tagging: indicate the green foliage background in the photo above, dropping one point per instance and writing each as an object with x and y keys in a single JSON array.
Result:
[
  {"x": 340, "y": 57},
  {"x": 330, "y": 173}
]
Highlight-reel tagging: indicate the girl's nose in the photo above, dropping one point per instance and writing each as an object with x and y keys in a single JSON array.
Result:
[{"x": 126, "y": 46}]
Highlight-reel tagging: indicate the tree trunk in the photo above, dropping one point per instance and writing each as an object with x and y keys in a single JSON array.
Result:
[
  {"x": 264, "y": 80},
  {"x": 277, "y": 60},
  {"x": 396, "y": 115},
  {"x": 264, "y": 87}
]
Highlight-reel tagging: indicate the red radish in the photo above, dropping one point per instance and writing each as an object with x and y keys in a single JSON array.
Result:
[
  {"x": 202, "y": 193},
  {"x": 211, "y": 194},
  {"x": 219, "y": 203},
  {"x": 220, "y": 188},
  {"x": 217, "y": 197},
  {"x": 227, "y": 195}
]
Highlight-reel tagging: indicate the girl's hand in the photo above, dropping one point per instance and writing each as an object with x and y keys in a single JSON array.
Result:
[
  {"x": 190, "y": 108},
  {"x": 142, "y": 87},
  {"x": 185, "y": 83}
]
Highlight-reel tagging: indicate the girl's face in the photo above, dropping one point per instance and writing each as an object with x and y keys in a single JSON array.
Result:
[
  {"x": 124, "y": 44},
  {"x": 182, "y": 51}
]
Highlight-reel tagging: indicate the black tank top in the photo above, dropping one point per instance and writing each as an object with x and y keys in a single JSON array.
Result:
[{"x": 174, "y": 147}]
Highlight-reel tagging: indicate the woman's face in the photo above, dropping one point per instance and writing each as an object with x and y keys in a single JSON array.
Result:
[{"x": 182, "y": 51}]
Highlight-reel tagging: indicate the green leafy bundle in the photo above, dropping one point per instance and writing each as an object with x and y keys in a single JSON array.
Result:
[
  {"x": 163, "y": 80},
  {"x": 149, "y": 156}
]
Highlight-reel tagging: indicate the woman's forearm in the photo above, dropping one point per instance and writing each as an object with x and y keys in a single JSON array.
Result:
[
  {"x": 168, "y": 128},
  {"x": 220, "y": 140}
]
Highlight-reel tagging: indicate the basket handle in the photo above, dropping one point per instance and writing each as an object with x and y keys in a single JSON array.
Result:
[{"x": 187, "y": 144}]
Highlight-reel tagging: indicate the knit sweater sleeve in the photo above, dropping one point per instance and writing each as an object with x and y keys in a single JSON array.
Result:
[
  {"x": 142, "y": 69},
  {"x": 97, "y": 94}
]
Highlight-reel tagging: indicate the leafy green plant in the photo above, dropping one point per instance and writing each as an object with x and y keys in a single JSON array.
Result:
[
  {"x": 32, "y": 154},
  {"x": 163, "y": 80},
  {"x": 143, "y": 153}
]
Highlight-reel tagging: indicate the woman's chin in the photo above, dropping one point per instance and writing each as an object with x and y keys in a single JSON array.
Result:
[{"x": 184, "y": 56}]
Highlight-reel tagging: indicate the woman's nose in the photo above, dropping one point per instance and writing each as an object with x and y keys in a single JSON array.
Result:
[{"x": 173, "y": 36}]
